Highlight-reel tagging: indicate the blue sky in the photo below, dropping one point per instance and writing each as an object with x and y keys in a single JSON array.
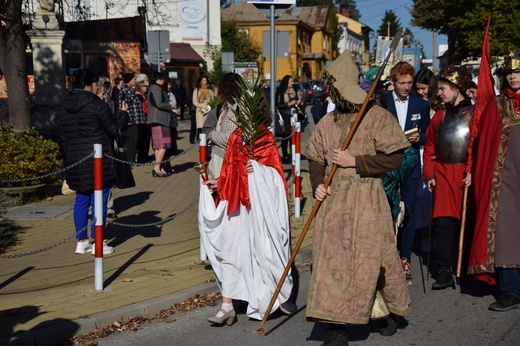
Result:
[{"x": 372, "y": 12}]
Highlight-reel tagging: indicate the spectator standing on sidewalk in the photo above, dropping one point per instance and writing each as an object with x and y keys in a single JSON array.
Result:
[
  {"x": 286, "y": 101},
  {"x": 135, "y": 112},
  {"x": 179, "y": 91},
  {"x": 354, "y": 242},
  {"x": 201, "y": 97},
  {"x": 118, "y": 84},
  {"x": 145, "y": 133},
  {"x": 86, "y": 120},
  {"x": 159, "y": 119}
]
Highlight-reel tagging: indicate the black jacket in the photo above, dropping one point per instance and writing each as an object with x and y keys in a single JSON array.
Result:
[{"x": 86, "y": 120}]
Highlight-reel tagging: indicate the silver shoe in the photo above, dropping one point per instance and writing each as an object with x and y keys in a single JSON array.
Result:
[
  {"x": 288, "y": 308},
  {"x": 228, "y": 317}
]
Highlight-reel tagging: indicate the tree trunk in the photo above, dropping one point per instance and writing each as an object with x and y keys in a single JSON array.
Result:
[
  {"x": 452, "y": 46},
  {"x": 13, "y": 65}
]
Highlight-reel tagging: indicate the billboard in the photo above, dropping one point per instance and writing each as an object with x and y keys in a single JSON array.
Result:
[
  {"x": 248, "y": 70},
  {"x": 193, "y": 16}
]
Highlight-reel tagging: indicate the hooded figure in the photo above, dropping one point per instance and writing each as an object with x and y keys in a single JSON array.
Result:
[{"x": 354, "y": 250}]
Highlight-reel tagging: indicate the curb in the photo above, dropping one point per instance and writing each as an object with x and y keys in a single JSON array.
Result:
[{"x": 52, "y": 334}]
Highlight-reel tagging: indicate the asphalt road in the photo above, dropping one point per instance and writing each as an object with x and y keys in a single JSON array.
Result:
[{"x": 448, "y": 317}]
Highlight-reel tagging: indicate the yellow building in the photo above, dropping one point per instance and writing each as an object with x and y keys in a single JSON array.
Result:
[
  {"x": 355, "y": 39},
  {"x": 309, "y": 46}
]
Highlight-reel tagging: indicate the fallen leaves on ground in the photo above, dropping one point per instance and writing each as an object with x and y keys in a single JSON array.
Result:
[{"x": 134, "y": 323}]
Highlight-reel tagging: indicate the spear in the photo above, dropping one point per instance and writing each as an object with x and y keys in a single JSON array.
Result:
[{"x": 346, "y": 143}]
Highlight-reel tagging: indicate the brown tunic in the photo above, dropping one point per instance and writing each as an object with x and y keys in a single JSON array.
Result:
[
  {"x": 354, "y": 239},
  {"x": 506, "y": 189}
]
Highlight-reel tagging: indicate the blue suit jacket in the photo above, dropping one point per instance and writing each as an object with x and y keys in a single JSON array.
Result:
[{"x": 419, "y": 109}]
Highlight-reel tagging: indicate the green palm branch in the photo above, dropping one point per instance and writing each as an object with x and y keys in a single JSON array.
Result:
[{"x": 252, "y": 115}]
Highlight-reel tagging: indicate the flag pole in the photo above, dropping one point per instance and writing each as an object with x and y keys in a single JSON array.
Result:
[{"x": 346, "y": 143}]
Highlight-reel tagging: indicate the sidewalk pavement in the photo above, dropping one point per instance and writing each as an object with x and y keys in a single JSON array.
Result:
[{"x": 49, "y": 294}]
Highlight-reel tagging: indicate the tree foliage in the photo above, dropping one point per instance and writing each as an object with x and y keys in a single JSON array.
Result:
[
  {"x": 233, "y": 40},
  {"x": 464, "y": 22},
  {"x": 350, "y": 5},
  {"x": 395, "y": 24}
]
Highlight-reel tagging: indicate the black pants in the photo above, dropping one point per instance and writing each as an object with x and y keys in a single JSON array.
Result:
[
  {"x": 143, "y": 143},
  {"x": 130, "y": 139},
  {"x": 446, "y": 230},
  {"x": 194, "y": 135},
  {"x": 285, "y": 144}
]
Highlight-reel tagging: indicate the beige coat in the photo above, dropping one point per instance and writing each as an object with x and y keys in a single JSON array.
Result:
[
  {"x": 201, "y": 105},
  {"x": 354, "y": 239}
]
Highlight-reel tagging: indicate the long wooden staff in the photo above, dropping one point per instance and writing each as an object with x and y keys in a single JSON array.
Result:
[
  {"x": 346, "y": 143},
  {"x": 462, "y": 227}
]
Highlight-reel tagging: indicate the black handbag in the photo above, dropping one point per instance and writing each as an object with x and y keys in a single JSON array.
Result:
[
  {"x": 279, "y": 124},
  {"x": 124, "y": 177}
]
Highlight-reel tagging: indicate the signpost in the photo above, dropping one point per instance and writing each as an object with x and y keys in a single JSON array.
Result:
[
  {"x": 272, "y": 9},
  {"x": 159, "y": 47}
]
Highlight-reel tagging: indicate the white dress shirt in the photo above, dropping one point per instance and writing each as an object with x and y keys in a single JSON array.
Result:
[{"x": 401, "y": 107}]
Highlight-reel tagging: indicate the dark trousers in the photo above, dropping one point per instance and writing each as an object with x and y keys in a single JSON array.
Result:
[
  {"x": 173, "y": 150},
  {"x": 409, "y": 197},
  {"x": 510, "y": 281},
  {"x": 445, "y": 231},
  {"x": 285, "y": 143},
  {"x": 143, "y": 143},
  {"x": 194, "y": 134},
  {"x": 130, "y": 139},
  {"x": 183, "y": 109}
]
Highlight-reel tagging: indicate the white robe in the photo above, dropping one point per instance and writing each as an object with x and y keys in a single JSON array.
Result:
[{"x": 249, "y": 250}]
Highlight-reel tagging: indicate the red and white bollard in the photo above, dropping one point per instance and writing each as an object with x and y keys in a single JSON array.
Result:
[
  {"x": 297, "y": 176},
  {"x": 98, "y": 216},
  {"x": 294, "y": 119},
  {"x": 202, "y": 147},
  {"x": 202, "y": 158}
]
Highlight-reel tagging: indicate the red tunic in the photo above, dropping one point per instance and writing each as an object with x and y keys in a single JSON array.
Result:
[{"x": 449, "y": 186}]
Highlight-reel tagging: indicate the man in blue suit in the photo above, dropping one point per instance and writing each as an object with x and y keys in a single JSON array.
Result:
[{"x": 411, "y": 112}]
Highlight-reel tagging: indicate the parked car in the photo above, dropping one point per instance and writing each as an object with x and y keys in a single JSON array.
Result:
[
  {"x": 309, "y": 93},
  {"x": 317, "y": 86}
]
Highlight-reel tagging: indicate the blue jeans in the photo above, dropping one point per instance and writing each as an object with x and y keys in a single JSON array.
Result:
[
  {"x": 510, "y": 281},
  {"x": 81, "y": 207}
]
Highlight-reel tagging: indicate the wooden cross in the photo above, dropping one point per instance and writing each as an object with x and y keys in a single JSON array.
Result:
[
  {"x": 388, "y": 29},
  {"x": 408, "y": 37}
]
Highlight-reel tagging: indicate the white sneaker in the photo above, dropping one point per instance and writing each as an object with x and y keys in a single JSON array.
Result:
[
  {"x": 83, "y": 247},
  {"x": 106, "y": 249}
]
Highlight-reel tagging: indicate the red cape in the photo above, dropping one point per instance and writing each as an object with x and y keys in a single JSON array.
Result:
[
  {"x": 485, "y": 153},
  {"x": 233, "y": 184}
]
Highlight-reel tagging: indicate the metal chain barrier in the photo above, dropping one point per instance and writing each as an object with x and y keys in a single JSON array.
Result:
[
  {"x": 152, "y": 163},
  {"x": 278, "y": 139},
  {"x": 64, "y": 169},
  {"x": 160, "y": 222},
  {"x": 45, "y": 248},
  {"x": 168, "y": 219}
]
